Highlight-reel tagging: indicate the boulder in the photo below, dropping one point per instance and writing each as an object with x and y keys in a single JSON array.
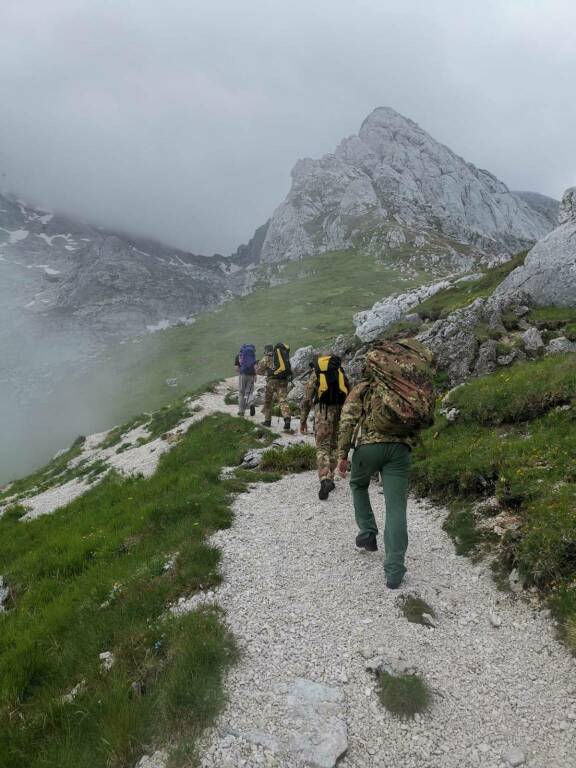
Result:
[
  {"x": 454, "y": 342},
  {"x": 548, "y": 275},
  {"x": 301, "y": 359},
  {"x": 560, "y": 346},
  {"x": 532, "y": 340},
  {"x": 486, "y": 362},
  {"x": 373, "y": 322}
]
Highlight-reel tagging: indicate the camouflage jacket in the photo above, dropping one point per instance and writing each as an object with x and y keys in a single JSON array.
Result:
[
  {"x": 265, "y": 366},
  {"x": 308, "y": 401},
  {"x": 354, "y": 419}
]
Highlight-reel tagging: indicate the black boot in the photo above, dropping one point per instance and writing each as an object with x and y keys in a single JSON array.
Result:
[
  {"x": 367, "y": 541},
  {"x": 325, "y": 487},
  {"x": 287, "y": 420},
  {"x": 252, "y": 410},
  {"x": 267, "y": 423}
]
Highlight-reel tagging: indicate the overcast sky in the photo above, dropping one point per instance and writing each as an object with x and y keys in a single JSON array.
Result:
[{"x": 182, "y": 118}]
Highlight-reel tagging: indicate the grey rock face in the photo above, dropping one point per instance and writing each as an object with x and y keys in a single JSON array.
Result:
[
  {"x": 544, "y": 205},
  {"x": 567, "y": 211},
  {"x": 548, "y": 275},
  {"x": 372, "y": 322},
  {"x": 394, "y": 175},
  {"x": 454, "y": 339}
]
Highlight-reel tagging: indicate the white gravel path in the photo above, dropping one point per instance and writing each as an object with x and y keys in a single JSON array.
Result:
[
  {"x": 136, "y": 460},
  {"x": 303, "y": 602}
]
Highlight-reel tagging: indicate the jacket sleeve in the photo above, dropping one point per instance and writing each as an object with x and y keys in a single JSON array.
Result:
[
  {"x": 351, "y": 415},
  {"x": 308, "y": 397},
  {"x": 263, "y": 365}
]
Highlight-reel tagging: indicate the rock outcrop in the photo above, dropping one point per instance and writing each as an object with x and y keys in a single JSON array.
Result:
[
  {"x": 548, "y": 275},
  {"x": 544, "y": 205},
  {"x": 465, "y": 342},
  {"x": 60, "y": 269},
  {"x": 372, "y": 322},
  {"x": 393, "y": 186}
]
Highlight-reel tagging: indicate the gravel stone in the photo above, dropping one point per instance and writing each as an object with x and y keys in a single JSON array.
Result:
[{"x": 515, "y": 757}]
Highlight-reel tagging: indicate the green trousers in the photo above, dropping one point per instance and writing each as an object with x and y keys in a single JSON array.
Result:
[{"x": 392, "y": 461}]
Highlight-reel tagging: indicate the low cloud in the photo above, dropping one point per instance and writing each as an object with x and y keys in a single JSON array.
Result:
[{"x": 182, "y": 121}]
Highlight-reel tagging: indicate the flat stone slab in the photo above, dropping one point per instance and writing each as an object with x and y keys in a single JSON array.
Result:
[
  {"x": 313, "y": 729},
  {"x": 321, "y": 737}
]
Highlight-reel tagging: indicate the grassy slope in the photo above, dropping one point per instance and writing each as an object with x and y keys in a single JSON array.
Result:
[
  {"x": 63, "y": 570},
  {"x": 514, "y": 439},
  {"x": 316, "y": 304}
]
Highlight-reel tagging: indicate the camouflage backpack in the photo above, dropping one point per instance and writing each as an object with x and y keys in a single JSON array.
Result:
[{"x": 400, "y": 398}]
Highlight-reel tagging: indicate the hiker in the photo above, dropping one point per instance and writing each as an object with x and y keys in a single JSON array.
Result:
[
  {"x": 275, "y": 365},
  {"x": 381, "y": 420},
  {"x": 245, "y": 363},
  {"x": 326, "y": 390}
]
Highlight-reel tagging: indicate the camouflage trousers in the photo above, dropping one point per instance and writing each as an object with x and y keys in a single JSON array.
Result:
[
  {"x": 326, "y": 423},
  {"x": 276, "y": 388}
]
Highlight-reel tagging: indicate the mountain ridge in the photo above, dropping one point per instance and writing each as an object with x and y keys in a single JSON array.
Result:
[{"x": 393, "y": 174}]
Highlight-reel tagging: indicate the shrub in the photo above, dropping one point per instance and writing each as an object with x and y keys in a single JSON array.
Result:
[
  {"x": 404, "y": 695},
  {"x": 296, "y": 458}
]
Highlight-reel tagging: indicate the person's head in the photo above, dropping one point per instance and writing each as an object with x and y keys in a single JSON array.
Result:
[{"x": 268, "y": 349}]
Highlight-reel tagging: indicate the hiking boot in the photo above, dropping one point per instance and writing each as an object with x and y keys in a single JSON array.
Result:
[
  {"x": 393, "y": 584},
  {"x": 332, "y": 486},
  {"x": 252, "y": 410},
  {"x": 367, "y": 541},
  {"x": 325, "y": 487},
  {"x": 267, "y": 423},
  {"x": 287, "y": 420}
]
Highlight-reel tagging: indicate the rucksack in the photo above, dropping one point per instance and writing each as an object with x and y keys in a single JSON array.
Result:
[
  {"x": 281, "y": 357},
  {"x": 332, "y": 385},
  {"x": 400, "y": 398},
  {"x": 247, "y": 358}
]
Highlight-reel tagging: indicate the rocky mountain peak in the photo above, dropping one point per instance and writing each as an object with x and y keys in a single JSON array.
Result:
[{"x": 394, "y": 187}]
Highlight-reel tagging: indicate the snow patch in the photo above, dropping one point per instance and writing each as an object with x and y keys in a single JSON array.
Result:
[{"x": 15, "y": 235}]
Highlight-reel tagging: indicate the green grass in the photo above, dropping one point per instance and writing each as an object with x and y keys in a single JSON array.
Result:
[
  {"x": 316, "y": 305},
  {"x": 404, "y": 695},
  {"x": 116, "y": 433},
  {"x": 515, "y": 439},
  {"x": 451, "y": 299},
  {"x": 555, "y": 321},
  {"x": 90, "y": 578},
  {"x": 295, "y": 458},
  {"x": 167, "y": 418},
  {"x": 413, "y": 608},
  {"x": 519, "y": 393},
  {"x": 130, "y": 378}
]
